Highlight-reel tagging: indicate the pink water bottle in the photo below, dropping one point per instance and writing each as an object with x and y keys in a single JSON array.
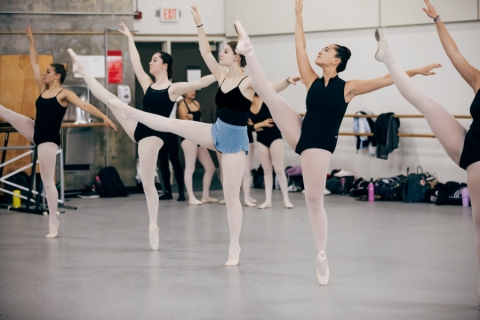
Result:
[
  {"x": 465, "y": 197},
  {"x": 371, "y": 191}
]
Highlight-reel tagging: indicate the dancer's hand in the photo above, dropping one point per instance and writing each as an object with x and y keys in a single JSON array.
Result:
[
  {"x": 298, "y": 6},
  {"x": 196, "y": 15},
  {"x": 29, "y": 33},
  {"x": 430, "y": 10},
  {"x": 268, "y": 123},
  {"x": 125, "y": 30},
  {"x": 427, "y": 70},
  {"x": 294, "y": 80},
  {"x": 109, "y": 124}
]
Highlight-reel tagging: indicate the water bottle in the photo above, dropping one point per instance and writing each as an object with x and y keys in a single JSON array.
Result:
[
  {"x": 371, "y": 191},
  {"x": 465, "y": 197},
  {"x": 342, "y": 180}
]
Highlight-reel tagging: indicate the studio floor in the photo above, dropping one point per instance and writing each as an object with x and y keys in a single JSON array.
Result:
[{"x": 387, "y": 260}]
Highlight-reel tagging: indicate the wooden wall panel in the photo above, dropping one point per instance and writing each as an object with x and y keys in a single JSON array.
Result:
[{"x": 18, "y": 92}]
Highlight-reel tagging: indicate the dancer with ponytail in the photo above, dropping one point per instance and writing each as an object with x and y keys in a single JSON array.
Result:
[
  {"x": 270, "y": 151},
  {"x": 44, "y": 131},
  {"x": 228, "y": 134},
  {"x": 315, "y": 137},
  {"x": 462, "y": 146},
  {"x": 159, "y": 99},
  {"x": 189, "y": 110}
]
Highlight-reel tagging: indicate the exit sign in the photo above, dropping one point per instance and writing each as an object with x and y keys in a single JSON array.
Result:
[{"x": 169, "y": 14}]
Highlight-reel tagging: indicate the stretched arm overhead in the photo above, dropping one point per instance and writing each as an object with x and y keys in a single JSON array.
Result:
[
  {"x": 358, "y": 87},
  {"x": 72, "y": 98},
  {"x": 306, "y": 70},
  {"x": 467, "y": 71},
  {"x": 215, "y": 68},
  {"x": 179, "y": 88},
  {"x": 37, "y": 73},
  {"x": 142, "y": 76}
]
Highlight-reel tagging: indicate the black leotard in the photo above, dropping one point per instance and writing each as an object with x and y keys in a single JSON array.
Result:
[
  {"x": 157, "y": 102},
  {"x": 471, "y": 145},
  {"x": 48, "y": 120},
  {"x": 233, "y": 107},
  {"x": 326, "y": 107},
  {"x": 196, "y": 114},
  {"x": 267, "y": 135}
]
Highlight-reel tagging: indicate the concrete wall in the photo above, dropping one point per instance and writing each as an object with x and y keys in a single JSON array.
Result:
[{"x": 122, "y": 151}]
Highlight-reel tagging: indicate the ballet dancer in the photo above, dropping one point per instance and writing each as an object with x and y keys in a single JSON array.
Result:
[
  {"x": 159, "y": 99},
  {"x": 316, "y": 137},
  {"x": 227, "y": 135},
  {"x": 189, "y": 109},
  {"x": 44, "y": 131},
  {"x": 462, "y": 146},
  {"x": 270, "y": 151}
]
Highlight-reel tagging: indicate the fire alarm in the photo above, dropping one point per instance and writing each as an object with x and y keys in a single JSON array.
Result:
[{"x": 138, "y": 15}]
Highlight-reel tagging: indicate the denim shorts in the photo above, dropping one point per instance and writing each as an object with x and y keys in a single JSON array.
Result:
[{"x": 229, "y": 138}]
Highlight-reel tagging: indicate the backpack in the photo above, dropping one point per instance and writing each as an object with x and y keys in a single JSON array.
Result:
[
  {"x": 110, "y": 183},
  {"x": 416, "y": 187},
  {"x": 359, "y": 188},
  {"x": 390, "y": 189}
]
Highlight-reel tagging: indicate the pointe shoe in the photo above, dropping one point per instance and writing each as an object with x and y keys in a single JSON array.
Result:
[
  {"x": 233, "y": 262},
  {"x": 116, "y": 104},
  {"x": 244, "y": 46},
  {"x": 221, "y": 201},
  {"x": 382, "y": 44},
  {"x": 321, "y": 258},
  {"x": 209, "y": 200},
  {"x": 153, "y": 236},
  {"x": 248, "y": 203},
  {"x": 265, "y": 205},
  {"x": 53, "y": 231},
  {"x": 252, "y": 200},
  {"x": 77, "y": 66},
  {"x": 194, "y": 202},
  {"x": 288, "y": 204}
]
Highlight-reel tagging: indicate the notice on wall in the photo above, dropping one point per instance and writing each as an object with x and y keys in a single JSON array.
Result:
[
  {"x": 95, "y": 65},
  {"x": 114, "y": 63},
  {"x": 193, "y": 74}
]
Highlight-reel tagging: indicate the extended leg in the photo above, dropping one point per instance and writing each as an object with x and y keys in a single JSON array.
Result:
[
  {"x": 148, "y": 149},
  {"x": 21, "y": 123},
  {"x": 47, "y": 154}
]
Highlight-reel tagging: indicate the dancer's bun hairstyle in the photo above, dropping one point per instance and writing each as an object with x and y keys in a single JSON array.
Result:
[
  {"x": 344, "y": 54},
  {"x": 233, "y": 45},
  {"x": 168, "y": 59},
  {"x": 61, "y": 69}
]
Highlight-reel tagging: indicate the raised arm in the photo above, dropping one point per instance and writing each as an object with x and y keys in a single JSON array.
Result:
[
  {"x": 142, "y": 76},
  {"x": 304, "y": 67},
  {"x": 37, "y": 73},
  {"x": 215, "y": 68},
  {"x": 179, "y": 88},
  {"x": 283, "y": 84},
  {"x": 358, "y": 87},
  {"x": 467, "y": 71},
  {"x": 72, "y": 98}
]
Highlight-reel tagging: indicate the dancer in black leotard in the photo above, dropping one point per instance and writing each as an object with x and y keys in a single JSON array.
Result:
[
  {"x": 227, "y": 135},
  {"x": 327, "y": 98},
  {"x": 44, "y": 131},
  {"x": 189, "y": 109},
  {"x": 159, "y": 97},
  {"x": 462, "y": 146},
  {"x": 270, "y": 151}
]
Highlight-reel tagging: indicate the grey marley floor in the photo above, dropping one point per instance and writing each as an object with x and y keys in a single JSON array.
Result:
[{"x": 388, "y": 261}]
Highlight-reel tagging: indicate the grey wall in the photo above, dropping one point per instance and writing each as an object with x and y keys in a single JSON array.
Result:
[{"x": 122, "y": 151}]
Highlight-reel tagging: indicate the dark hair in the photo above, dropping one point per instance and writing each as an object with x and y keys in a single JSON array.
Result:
[
  {"x": 61, "y": 69},
  {"x": 168, "y": 59},
  {"x": 344, "y": 54},
  {"x": 233, "y": 45}
]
